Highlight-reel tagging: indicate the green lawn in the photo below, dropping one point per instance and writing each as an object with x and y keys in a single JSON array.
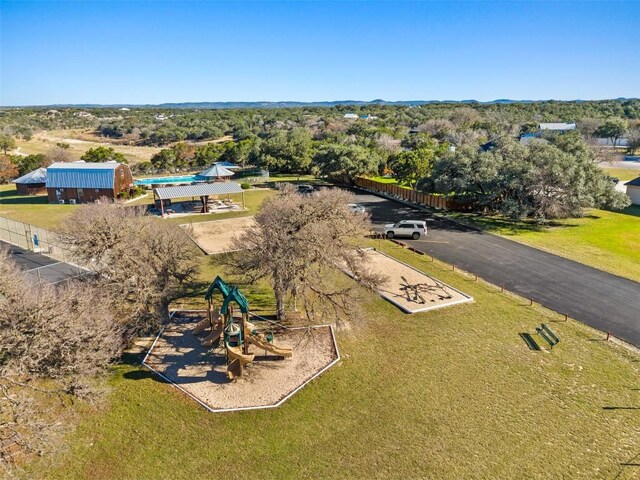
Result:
[
  {"x": 33, "y": 209},
  {"x": 381, "y": 179},
  {"x": 452, "y": 393},
  {"x": 624, "y": 174},
  {"x": 606, "y": 240},
  {"x": 390, "y": 181}
]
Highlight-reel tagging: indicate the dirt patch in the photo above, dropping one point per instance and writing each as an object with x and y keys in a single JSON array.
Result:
[
  {"x": 409, "y": 289},
  {"x": 269, "y": 380},
  {"x": 216, "y": 236}
]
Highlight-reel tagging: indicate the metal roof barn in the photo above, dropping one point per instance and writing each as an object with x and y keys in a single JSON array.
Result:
[{"x": 81, "y": 175}]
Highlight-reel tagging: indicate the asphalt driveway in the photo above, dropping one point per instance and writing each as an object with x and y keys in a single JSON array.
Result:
[{"x": 602, "y": 300}]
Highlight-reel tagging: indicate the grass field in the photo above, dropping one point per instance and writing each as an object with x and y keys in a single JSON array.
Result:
[
  {"x": 451, "y": 393},
  {"x": 606, "y": 240},
  {"x": 624, "y": 174},
  {"x": 79, "y": 142},
  {"x": 34, "y": 209}
]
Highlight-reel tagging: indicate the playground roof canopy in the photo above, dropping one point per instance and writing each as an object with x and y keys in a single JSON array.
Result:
[
  {"x": 197, "y": 190},
  {"x": 218, "y": 284},
  {"x": 239, "y": 298}
]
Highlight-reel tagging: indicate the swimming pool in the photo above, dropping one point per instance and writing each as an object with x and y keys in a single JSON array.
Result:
[{"x": 166, "y": 180}]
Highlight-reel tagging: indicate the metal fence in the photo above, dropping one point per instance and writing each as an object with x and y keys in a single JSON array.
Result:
[{"x": 57, "y": 263}]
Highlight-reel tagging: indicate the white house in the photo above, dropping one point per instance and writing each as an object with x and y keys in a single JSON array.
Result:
[
  {"x": 351, "y": 116},
  {"x": 557, "y": 127},
  {"x": 633, "y": 190}
]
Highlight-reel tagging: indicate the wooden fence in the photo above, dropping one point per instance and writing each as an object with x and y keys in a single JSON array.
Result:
[{"x": 427, "y": 199}]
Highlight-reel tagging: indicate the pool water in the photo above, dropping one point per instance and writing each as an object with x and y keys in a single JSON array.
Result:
[{"x": 166, "y": 180}]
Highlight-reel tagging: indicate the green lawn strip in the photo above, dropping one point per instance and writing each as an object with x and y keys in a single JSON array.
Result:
[
  {"x": 33, "y": 209},
  {"x": 624, "y": 174},
  {"x": 390, "y": 181},
  {"x": 451, "y": 393},
  {"x": 609, "y": 241}
]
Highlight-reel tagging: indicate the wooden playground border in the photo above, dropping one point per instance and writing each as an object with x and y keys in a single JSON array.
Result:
[{"x": 258, "y": 407}]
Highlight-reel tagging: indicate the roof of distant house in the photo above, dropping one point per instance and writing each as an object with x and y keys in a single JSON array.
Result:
[
  {"x": 39, "y": 175},
  {"x": 557, "y": 126},
  {"x": 633, "y": 183}
]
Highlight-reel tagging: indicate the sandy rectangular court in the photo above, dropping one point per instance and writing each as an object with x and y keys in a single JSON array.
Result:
[
  {"x": 410, "y": 289},
  {"x": 179, "y": 357},
  {"x": 217, "y": 236}
]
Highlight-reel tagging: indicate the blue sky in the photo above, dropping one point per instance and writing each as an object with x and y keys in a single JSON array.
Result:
[{"x": 154, "y": 52}]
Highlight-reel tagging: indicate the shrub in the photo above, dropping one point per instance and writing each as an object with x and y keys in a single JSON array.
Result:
[{"x": 245, "y": 186}]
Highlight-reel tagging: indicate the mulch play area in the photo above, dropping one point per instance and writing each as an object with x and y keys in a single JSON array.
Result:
[
  {"x": 410, "y": 289},
  {"x": 179, "y": 357}
]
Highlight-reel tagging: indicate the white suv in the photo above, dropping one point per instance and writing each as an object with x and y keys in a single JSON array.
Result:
[{"x": 406, "y": 228}]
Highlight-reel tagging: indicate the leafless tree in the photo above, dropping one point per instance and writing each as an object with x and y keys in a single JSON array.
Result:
[
  {"x": 300, "y": 243},
  {"x": 143, "y": 261},
  {"x": 58, "y": 154},
  {"x": 437, "y": 128},
  {"x": 54, "y": 341},
  {"x": 588, "y": 128},
  {"x": 388, "y": 143},
  {"x": 633, "y": 137},
  {"x": 465, "y": 116}
]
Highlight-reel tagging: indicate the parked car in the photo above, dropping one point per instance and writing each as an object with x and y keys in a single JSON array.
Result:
[
  {"x": 305, "y": 189},
  {"x": 356, "y": 208},
  {"x": 406, "y": 228}
]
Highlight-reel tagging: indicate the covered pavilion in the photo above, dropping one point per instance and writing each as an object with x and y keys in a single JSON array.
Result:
[{"x": 202, "y": 190}]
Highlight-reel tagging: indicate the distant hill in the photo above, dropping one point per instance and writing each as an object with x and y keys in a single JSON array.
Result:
[{"x": 293, "y": 104}]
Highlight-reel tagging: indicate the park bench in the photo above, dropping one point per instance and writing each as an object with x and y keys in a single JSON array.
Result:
[{"x": 548, "y": 335}]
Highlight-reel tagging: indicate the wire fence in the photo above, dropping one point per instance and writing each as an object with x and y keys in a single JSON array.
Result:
[{"x": 54, "y": 262}]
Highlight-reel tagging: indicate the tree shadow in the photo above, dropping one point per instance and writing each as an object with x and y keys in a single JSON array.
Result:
[
  {"x": 633, "y": 210},
  {"x": 142, "y": 375}
]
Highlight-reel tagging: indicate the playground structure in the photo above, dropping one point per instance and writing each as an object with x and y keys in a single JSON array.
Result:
[{"x": 235, "y": 334}]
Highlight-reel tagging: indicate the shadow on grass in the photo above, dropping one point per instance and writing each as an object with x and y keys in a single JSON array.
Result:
[
  {"x": 11, "y": 197},
  {"x": 507, "y": 226},
  {"x": 143, "y": 375},
  {"x": 633, "y": 210}
]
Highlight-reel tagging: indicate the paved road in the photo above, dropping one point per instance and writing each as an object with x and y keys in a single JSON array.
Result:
[
  {"x": 40, "y": 266},
  {"x": 604, "y": 301}
]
